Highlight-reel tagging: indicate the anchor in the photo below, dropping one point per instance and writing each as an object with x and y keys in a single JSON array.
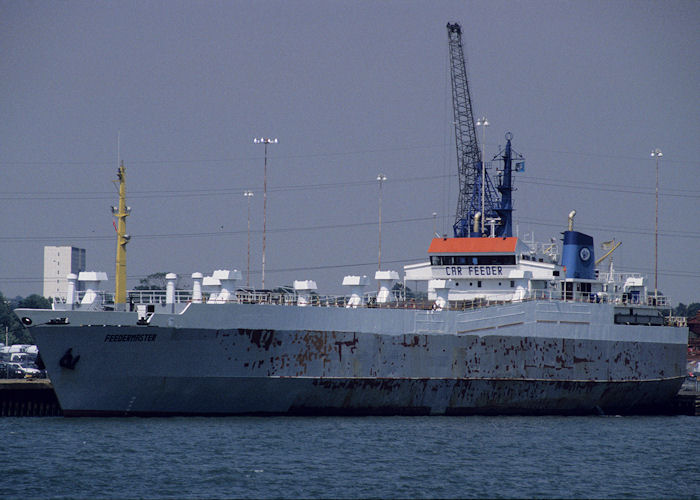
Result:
[{"x": 68, "y": 360}]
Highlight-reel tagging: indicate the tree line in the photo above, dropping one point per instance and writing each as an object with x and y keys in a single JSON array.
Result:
[
  {"x": 10, "y": 323},
  {"x": 689, "y": 311}
]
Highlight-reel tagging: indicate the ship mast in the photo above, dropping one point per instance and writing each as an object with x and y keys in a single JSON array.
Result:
[{"x": 121, "y": 213}]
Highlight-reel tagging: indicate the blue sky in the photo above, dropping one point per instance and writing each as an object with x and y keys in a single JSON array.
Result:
[{"x": 350, "y": 89}]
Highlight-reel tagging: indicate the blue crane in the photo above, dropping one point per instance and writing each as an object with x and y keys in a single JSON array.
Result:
[{"x": 497, "y": 201}]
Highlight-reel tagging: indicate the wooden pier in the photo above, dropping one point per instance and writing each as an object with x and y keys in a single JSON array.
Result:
[
  {"x": 28, "y": 398},
  {"x": 688, "y": 403}
]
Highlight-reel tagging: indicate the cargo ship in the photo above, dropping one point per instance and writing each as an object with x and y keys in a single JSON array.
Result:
[
  {"x": 507, "y": 326},
  {"x": 505, "y": 330}
]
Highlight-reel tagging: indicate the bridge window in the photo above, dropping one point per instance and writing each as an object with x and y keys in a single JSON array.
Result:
[{"x": 472, "y": 260}]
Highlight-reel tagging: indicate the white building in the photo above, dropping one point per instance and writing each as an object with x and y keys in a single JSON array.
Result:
[{"x": 58, "y": 263}]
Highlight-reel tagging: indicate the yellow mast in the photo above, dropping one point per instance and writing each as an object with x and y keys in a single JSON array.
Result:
[{"x": 122, "y": 238}]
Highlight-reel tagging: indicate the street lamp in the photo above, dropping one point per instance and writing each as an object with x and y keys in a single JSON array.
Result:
[
  {"x": 656, "y": 153},
  {"x": 380, "y": 178},
  {"x": 265, "y": 141},
  {"x": 483, "y": 122},
  {"x": 248, "y": 195}
]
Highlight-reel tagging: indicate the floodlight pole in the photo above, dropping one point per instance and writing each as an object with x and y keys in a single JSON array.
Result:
[
  {"x": 248, "y": 195},
  {"x": 380, "y": 178},
  {"x": 656, "y": 153},
  {"x": 265, "y": 141},
  {"x": 485, "y": 123}
]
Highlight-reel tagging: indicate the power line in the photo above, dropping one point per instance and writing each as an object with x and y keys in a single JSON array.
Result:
[
  {"x": 63, "y": 195},
  {"x": 325, "y": 227},
  {"x": 606, "y": 187},
  {"x": 597, "y": 227},
  {"x": 172, "y": 193},
  {"x": 134, "y": 162},
  {"x": 10, "y": 239}
]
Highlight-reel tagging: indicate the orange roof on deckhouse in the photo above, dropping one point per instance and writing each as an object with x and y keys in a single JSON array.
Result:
[{"x": 473, "y": 245}]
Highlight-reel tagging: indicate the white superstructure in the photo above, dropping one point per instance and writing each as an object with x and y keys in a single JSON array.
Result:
[{"x": 59, "y": 262}]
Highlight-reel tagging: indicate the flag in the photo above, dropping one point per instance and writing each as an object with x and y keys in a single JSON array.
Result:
[
  {"x": 520, "y": 166},
  {"x": 607, "y": 245}
]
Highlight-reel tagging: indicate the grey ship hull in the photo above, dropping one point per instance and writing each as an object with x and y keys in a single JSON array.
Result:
[{"x": 534, "y": 357}]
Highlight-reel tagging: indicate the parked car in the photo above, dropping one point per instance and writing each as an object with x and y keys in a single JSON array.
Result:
[
  {"x": 20, "y": 371},
  {"x": 12, "y": 370}
]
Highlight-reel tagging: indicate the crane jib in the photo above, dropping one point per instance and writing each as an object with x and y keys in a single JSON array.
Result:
[{"x": 481, "y": 206}]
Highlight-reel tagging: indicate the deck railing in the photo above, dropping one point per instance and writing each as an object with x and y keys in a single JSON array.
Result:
[{"x": 157, "y": 298}]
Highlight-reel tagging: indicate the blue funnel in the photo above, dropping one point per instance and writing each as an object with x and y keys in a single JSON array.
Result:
[{"x": 577, "y": 255}]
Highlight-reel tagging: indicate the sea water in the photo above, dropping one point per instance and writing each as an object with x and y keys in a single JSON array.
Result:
[{"x": 321, "y": 457}]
